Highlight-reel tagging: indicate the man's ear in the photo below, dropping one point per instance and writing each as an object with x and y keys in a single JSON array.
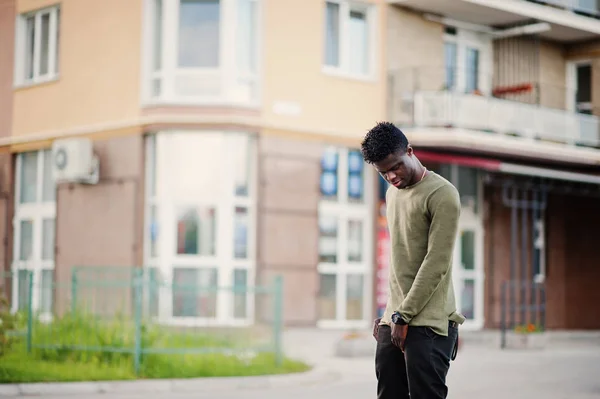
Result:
[{"x": 409, "y": 150}]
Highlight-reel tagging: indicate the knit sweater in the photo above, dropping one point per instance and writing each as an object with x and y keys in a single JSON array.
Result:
[{"x": 423, "y": 224}]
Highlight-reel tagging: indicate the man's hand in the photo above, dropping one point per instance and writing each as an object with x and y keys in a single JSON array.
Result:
[
  {"x": 399, "y": 335},
  {"x": 376, "y": 328}
]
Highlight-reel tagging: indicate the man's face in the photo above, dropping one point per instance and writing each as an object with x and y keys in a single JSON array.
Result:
[{"x": 398, "y": 168}]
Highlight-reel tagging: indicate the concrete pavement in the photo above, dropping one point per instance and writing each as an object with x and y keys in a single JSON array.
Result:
[{"x": 480, "y": 371}]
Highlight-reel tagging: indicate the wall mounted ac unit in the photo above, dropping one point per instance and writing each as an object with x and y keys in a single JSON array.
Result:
[{"x": 74, "y": 161}]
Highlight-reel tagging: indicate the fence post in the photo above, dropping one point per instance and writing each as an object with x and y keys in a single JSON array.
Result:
[
  {"x": 30, "y": 312},
  {"x": 74, "y": 291},
  {"x": 278, "y": 319},
  {"x": 137, "y": 317}
]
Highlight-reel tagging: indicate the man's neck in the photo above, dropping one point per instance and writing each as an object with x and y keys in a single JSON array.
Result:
[{"x": 419, "y": 174}]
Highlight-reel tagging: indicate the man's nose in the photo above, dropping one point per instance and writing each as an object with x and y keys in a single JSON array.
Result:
[{"x": 390, "y": 176}]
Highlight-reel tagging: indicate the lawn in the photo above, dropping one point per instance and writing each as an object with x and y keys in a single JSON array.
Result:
[{"x": 74, "y": 348}]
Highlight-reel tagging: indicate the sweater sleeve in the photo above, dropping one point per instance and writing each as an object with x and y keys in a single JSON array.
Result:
[{"x": 444, "y": 207}]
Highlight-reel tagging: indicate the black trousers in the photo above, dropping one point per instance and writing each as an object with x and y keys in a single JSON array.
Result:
[{"x": 418, "y": 373}]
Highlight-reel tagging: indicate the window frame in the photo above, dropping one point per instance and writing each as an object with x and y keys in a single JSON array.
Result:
[
  {"x": 20, "y": 73},
  {"x": 343, "y": 69},
  {"x": 37, "y": 211},
  {"x": 229, "y": 78},
  {"x": 225, "y": 201},
  {"x": 346, "y": 211},
  {"x": 466, "y": 40}
]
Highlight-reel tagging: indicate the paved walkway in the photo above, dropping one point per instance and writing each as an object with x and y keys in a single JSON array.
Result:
[{"x": 563, "y": 372}]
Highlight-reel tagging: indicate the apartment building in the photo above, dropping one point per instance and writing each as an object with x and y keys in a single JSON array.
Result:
[
  {"x": 215, "y": 142},
  {"x": 500, "y": 97},
  {"x": 187, "y": 136}
]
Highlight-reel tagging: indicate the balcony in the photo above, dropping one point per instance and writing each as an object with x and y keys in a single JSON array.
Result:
[
  {"x": 420, "y": 99},
  {"x": 569, "y": 20}
]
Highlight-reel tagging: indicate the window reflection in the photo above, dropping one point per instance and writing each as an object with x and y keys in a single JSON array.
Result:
[
  {"x": 196, "y": 228},
  {"x": 194, "y": 292},
  {"x": 328, "y": 231}
]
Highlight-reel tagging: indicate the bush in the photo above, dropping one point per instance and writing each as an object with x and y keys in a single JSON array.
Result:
[
  {"x": 8, "y": 322},
  {"x": 80, "y": 347}
]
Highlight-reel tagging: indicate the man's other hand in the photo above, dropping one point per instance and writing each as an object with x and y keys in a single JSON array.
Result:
[
  {"x": 399, "y": 335},
  {"x": 376, "y": 328}
]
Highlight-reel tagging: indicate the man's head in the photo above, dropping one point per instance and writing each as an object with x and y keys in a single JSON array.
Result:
[{"x": 387, "y": 149}]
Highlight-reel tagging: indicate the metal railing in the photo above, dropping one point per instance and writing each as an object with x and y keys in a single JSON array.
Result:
[
  {"x": 133, "y": 311},
  {"x": 522, "y": 305},
  {"x": 420, "y": 97}
]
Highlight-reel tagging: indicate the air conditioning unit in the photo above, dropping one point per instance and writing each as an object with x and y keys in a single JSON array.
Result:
[{"x": 73, "y": 161}]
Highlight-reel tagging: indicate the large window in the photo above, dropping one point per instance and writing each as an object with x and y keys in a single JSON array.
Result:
[
  {"x": 345, "y": 240},
  {"x": 200, "y": 218},
  {"x": 34, "y": 227},
  {"x": 202, "y": 51},
  {"x": 37, "y": 46},
  {"x": 349, "y": 38}
]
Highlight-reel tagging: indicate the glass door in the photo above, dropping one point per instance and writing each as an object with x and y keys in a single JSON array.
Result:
[{"x": 468, "y": 270}]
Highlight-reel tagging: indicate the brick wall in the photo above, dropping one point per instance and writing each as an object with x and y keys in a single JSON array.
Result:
[{"x": 288, "y": 224}]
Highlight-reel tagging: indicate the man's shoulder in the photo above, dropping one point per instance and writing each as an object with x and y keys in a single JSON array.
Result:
[
  {"x": 440, "y": 183},
  {"x": 442, "y": 190}
]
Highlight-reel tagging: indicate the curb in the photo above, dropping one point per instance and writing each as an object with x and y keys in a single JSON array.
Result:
[{"x": 208, "y": 384}]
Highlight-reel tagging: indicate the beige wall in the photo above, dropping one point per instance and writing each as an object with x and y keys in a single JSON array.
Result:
[
  {"x": 7, "y": 44},
  {"x": 293, "y": 51},
  {"x": 415, "y": 57},
  {"x": 553, "y": 75},
  {"x": 100, "y": 46},
  {"x": 7, "y": 40}
]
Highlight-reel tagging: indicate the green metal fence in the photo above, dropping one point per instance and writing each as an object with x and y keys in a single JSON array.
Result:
[{"x": 133, "y": 313}]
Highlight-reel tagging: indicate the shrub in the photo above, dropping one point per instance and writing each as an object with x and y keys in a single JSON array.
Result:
[
  {"x": 8, "y": 323},
  {"x": 79, "y": 347}
]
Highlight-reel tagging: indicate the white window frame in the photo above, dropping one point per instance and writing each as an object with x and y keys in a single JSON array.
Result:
[
  {"x": 469, "y": 220},
  {"x": 37, "y": 211},
  {"x": 225, "y": 201},
  {"x": 345, "y": 211},
  {"x": 21, "y": 44},
  {"x": 345, "y": 47},
  {"x": 464, "y": 39},
  {"x": 230, "y": 80}
]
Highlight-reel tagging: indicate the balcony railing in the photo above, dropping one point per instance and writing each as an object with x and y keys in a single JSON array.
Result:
[
  {"x": 587, "y": 7},
  {"x": 420, "y": 98}
]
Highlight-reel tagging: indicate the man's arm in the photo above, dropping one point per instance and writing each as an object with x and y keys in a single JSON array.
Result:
[{"x": 444, "y": 206}]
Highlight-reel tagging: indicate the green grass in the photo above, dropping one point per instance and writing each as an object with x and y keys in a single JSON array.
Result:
[{"x": 54, "y": 358}]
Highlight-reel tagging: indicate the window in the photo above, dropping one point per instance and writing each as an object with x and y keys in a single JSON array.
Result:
[
  {"x": 472, "y": 72},
  {"x": 199, "y": 23},
  {"x": 345, "y": 240},
  {"x": 201, "y": 236},
  {"x": 450, "y": 61},
  {"x": 202, "y": 51},
  {"x": 34, "y": 230},
  {"x": 349, "y": 37},
  {"x": 467, "y": 56},
  {"x": 37, "y": 46}
]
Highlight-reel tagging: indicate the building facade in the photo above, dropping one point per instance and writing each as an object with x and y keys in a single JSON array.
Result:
[
  {"x": 500, "y": 98},
  {"x": 227, "y": 134}
]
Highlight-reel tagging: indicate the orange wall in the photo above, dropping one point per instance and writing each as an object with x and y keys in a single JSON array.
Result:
[
  {"x": 100, "y": 47},
  {"x": 293, "y": 48},
  {"x": 7, "y": 44}
]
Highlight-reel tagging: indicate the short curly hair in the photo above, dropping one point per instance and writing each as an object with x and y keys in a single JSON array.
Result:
[{"x": 381, "y": 141}]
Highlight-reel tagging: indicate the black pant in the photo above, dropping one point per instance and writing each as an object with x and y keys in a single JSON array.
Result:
[{"x": 418, "y": 373}]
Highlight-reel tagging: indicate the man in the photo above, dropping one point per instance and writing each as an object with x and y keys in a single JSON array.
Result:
[{"x": 418, "y": 333}]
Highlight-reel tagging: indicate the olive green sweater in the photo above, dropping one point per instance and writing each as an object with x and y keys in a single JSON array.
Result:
[{"x": 423, "y": 223}]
